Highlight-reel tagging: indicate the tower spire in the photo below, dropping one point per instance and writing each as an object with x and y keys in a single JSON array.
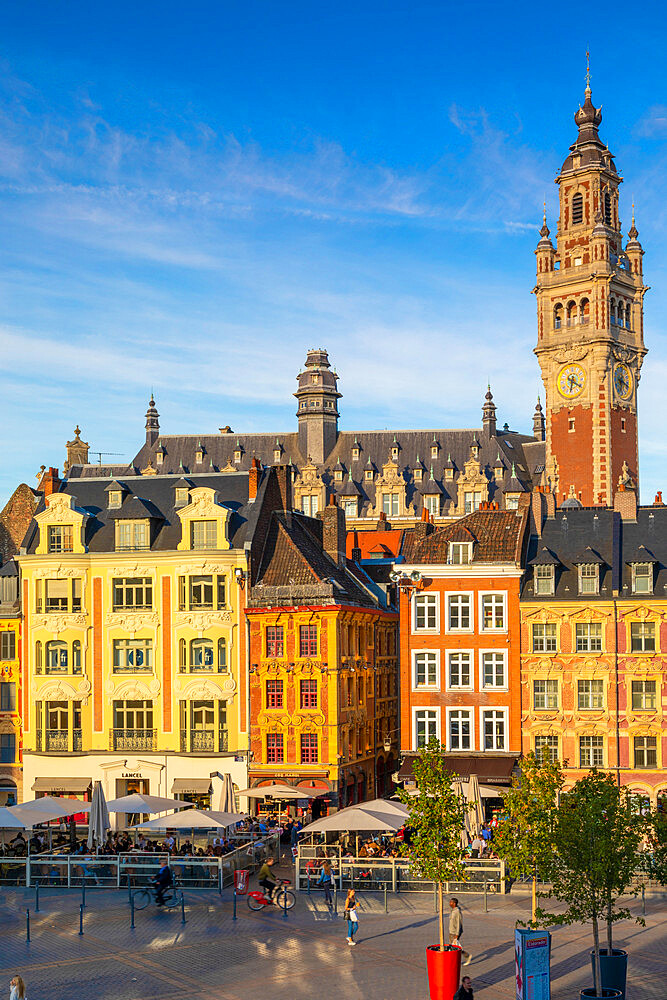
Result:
[{"x": 588, "y": 73}]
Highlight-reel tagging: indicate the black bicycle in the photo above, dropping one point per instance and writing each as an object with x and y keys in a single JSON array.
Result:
[{"x": 142, "y": 897}]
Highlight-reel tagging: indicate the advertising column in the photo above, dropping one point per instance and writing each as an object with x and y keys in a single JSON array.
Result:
[{"x": 532, "y": 952}]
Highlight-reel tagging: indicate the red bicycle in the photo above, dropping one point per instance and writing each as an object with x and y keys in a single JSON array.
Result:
[{"x": 283, "y": 897}]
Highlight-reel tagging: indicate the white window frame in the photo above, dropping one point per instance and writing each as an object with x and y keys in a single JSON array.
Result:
[
  {"x": 493, "y": 687},
  {"x": 415, "y": 712},
  {"x": 492, "y": 628},
  {"x": 460, "y": 652},
  {"x": 545, "y": 681},
  {"x": 505, "y": 714},
  {"x": 461, "y": 549},
  {"x": 549, "y": 579},
  {"x": 350, "y": 507},
  {"x": 426, "y": 687},
  {"x": 593, "y": 576},
  {"x": 432, "y": 503},
  {"x": 436, "y": 627},
  {"x": 649, "y": 577},
  {"x": 471, "y": 600},
  {"x": 471, "y": 714}
]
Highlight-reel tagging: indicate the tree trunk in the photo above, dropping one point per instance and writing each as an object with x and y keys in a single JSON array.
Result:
[
  {"x": 609, "y": 926},
  {"x": 442, "y": 918},
  {"x": 597, "y": 973},
  {"x": 533, "y": 922}
]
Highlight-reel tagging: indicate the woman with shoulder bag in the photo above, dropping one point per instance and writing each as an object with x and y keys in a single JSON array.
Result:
[
  {"x": 17, "y": 989},
  {"x": 351, "y": 916}
]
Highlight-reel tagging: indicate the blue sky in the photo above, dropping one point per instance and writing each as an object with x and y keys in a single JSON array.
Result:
[{"x": 193, "y": 195}]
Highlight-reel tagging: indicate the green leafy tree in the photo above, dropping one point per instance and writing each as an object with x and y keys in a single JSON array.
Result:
[
  {"x": 596, "y": 840},
  {"x": 437, "y": 816},
  {"x": 524, "y": 838},
  {"x": 654, "y": 861}
]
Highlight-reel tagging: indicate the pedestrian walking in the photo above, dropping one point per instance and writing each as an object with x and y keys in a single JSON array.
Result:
[
  {"x": 456, "y": 929},
  {"x": 325, "y": 880},
  {"x": 351, "y": 916},
  {"x": 17, "y": 989},
  {"x": 464, "y": 991}
]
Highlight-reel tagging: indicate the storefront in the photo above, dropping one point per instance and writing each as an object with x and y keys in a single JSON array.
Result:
[{"x": 493, "y": 771}]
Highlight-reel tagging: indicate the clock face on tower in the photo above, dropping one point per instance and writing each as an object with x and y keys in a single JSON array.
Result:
[
  {"x": 622, "y": 381},
  {"x": 571, "y": 381}
]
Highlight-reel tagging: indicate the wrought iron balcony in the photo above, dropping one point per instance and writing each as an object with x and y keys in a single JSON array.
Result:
[
  {"x": 52, "y": 740},
  {"x": 204, "y": 741},
  {"x": 132, "y": 739}
]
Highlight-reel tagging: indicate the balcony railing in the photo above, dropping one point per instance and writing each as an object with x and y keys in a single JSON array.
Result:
[
  {"x": 204, "y": 741},
  {"x": 202, "y": 668},
  {"x": 132, "y": 739},
  {"x": 53, "y": 740},
  {"x": 53, "y": 669},
  {"x": 77, "y": 739},
  {"x": 132, "y": 668}
]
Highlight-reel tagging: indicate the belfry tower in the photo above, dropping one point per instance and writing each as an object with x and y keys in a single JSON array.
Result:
[{"x": 590, "y": 344}]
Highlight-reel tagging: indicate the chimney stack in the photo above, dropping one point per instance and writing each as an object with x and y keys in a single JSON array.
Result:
[
  {"x": 333, "y": 533},
  {"x": 625, "y": 503},
  {"x": 50, "y": 482},
  {"x": 253, "y": 479}
]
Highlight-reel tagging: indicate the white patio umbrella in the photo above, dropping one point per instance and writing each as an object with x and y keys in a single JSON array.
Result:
[
  {"x": 191, "y": 819},
  {"x": 98, "y": 821},
  {"x": 475, "y": 815},
  {"x": 385, "y": 806},
  {"x": 278, "y": 792},
  {"x": 9, "y": 820},
  {"x": 227, "y": 801},
  {"x": 50, "y": 808},
  {"x": 140, "y": 803},
  {"x": 355, "y": 819},
  {"x": 457, "y": 785}
]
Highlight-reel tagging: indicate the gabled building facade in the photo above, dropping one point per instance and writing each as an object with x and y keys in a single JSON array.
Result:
[{"x": 11, "y": 777}]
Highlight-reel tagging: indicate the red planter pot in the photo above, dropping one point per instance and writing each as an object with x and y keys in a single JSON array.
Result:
[{"x": 444, "y": 969}]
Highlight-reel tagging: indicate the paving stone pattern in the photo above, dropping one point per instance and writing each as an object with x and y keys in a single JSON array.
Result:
[{"x": 216, "y": 958}]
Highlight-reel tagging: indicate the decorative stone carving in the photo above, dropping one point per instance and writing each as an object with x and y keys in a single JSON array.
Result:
[
  {"x": 54, "y": 572},
  {"x": 206, "y": 689},
  {"x": 309, "y": 483},
  {"x": 135, "y": 688},
  {"x": 204, "y": 568},
  {"x": 201, "y": 620},
  {"x": 132, "y": 621},
  {"x": 566, "y": 355},
  {"x": 59, "y": 622},
  {"x": 391, "y": 481},
  {"x": 61, "y": 690}
]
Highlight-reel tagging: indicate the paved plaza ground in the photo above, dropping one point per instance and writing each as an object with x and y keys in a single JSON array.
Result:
[{"x": 263, "y": 955}]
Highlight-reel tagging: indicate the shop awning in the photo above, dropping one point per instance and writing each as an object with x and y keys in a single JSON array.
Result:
[
  {"x": 496, "y": 770},
  {"x": 191, "y": 786},
  {"x": 62, "y": 785}
]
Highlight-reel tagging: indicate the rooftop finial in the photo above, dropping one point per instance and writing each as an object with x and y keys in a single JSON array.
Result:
[{"x": 588, "y": 72}]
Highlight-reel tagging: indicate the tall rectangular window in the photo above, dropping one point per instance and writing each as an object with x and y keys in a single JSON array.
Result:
[
  {"x": 432, "y": 504},
  {"x": 7, "y": 696},
  {"x": 274, "y": 693},
  {"x": 546, "y": 748},
  {"x": 493, "y": 612},
  {"x": 646, "y": 751},
  {"x": 460, "y": 729},
  {"x": 390, "y": 504},
  {"x": 545, "y": 695},
  {"x": 426, "y": 727},
  {"x": 472, "y": 502},
  {"x": 493, "y": 670},
  {"x": 309, "y": 506},
  {"x": 7, "y": 748},
  {"x": 544, "y": 637},
  {"x": 132, "y": 655},
  {"x": 308, "y": 640},
  {"x": 589, "y": 637},
  {"x": 131, "y": 535},
  {"x": 60, "y": 538},
  {"x": 308, "y": 690},
  {"x": 458, "y": 611},
  {"x": 642, "y": 578},
  {"x": 590, "y": 695},
  {"x": 591, "y": 751},
  {"x": 589, "y": 575},
  {"x": 7, "y": 645},
  {"x": 274, "y": 640},
  {"x": 56, "y": 594},
  {"x": 425, "y": 612},
  {"x": 494, "y": 727},
  {"x": 309, "y": 753},
  {"x": 275, "y": 753},
  {"x": 201, "y": 592},
  {"x": 459, "y": 553},
  {"x": 133, "y": 593},
  {"x": 543, "y": 580},
  {"x": 642, "y": 637},
  {"x": 643, "y": 696},
  {"x": 460, "y": 672},
  {"x": 426, "y": 670},
  {"x": 204, "y": 534}
]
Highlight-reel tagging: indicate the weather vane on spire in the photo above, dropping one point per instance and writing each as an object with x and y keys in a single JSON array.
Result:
[{"x": 588, "y": 70}]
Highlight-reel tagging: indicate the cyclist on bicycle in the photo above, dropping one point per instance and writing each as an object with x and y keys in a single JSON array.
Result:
[
  {"x": 162, "y": 881},
  {"x": 267, "y": 879}
]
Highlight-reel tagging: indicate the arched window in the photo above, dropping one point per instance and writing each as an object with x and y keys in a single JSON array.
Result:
[
  {"x": 607, "y": 208},
  {"x": 222, "y": 654},
  {"x": 201, "y": 654},
  {"x": 627, "y": 316},
  {"x": 56, "y": 657},
  {"x": 76, "y": 656},
  {"x": 571, "y": 313},
  {"x": 612, "y": 311},
  {"x": 584, "y": 310},
  {"x": 558, "y": 316},
  {"x": 577, "y": 209}
]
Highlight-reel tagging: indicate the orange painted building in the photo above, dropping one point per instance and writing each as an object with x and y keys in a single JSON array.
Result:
[{"x": 459, "y": 641}]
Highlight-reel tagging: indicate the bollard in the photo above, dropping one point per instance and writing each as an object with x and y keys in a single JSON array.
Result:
[
  {"x": 284, "y": 904},
  {"x": 486, "y": 906},
  {"x": 36, "y": 899},
  {"x": 335, "y": 892},
  {"x": 83, "y": 892},
  {"x": 385, "y": 899},
  {"x": 308, "y": 883},
  {"x": 80, "y": 919},
  {"x": 643, "y": 900},
  {"x": 234, "y": 910},
  {"x": 27, "y": 925},
  {"x": 219, "y": 881},
  {"x": 129, "y": 890},
  {"x": 183, "y": 920},
  {"x": 131, "y": 911}
]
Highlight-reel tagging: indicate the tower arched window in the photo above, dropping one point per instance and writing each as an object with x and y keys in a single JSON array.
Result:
[
  {"x": 577, "y": 209},
  {"x": 558, "y": 316},
  {"x": 612, "y": 311},
  {"x": 571, "y": 313},
  {"x": 584, "y": 311},
  {"x": 627, "y": 316},
  {"x": 607, "y": 208}
]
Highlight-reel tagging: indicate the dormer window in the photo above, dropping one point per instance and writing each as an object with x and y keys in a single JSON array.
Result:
[
  {"x": 132, "y": 536},
  {"x": 543, "y": 580},
  {"x": 434, "y": 451},
  {"x": 368, "y": 475},
  {"x": 315, "y": 379},
  {"x": 642, "y": 578},
  {"x": 432, "y": 504},
  {"x": 115, "y": 499},
  {"x": 277, "y": 454},
  {"x": 199, "y": 455},
  {"x": 418, "y": 474},
  {"x": 449, "y": 474},
  {"x": 61, "y": 538},
  {"x": 355, "y": 454},
  {"x": 349, "y": 508},
  {"x": 589, "y": 578},
  {"x": 338, "y": 475},
  {"x": 182, "y": 496},
  {"x": 394, "y": 453},
  {"x": 159, "y": 457},
  {"x": 204, "y": 534},
  {"x": 459, "y": 553},
  {"x": 237, "y": 455}
]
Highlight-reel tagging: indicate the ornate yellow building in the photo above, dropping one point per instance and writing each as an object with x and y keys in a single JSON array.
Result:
[
  {"x": 134, "y": 638},
  {"x": 10, "y": 680}
]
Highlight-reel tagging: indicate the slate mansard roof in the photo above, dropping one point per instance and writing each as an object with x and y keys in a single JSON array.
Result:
[
  {"x": 150, "y": 497},
  {"x": 600, "y": 536},
  {"x": 497, "y": 537}
]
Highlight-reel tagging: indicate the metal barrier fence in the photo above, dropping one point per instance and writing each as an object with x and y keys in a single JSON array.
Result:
[
  {"x": 123, "y": 870},
  {"x": 394, "y": 874}
]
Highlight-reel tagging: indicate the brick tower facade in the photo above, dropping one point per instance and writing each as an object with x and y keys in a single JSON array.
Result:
[{"x": 590, "y": 345}]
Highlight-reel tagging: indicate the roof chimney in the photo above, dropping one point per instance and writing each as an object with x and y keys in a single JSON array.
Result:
[
  {"x": 50, "y": 482},
  {"x": 625, "y": 503},
  {"x": 333, "y": 534},
  {"x": 253, "y": 479}
]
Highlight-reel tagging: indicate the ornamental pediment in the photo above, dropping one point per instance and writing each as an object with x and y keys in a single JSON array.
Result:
[
  {"x": 134, "y": 689},
  {"x": 589, "y": 614},
  {"x": 308, "y": 478},
  {"x": 200, "y": 620},
  {"x": 220, "y": 688},
  {"x": 57, "y": 623},
  {"x": 131, "y": 621},
  {"x": 60, "y": 690},
  {"x": 643, "y": 613},
  {"x": 390, "y": 476},
  {"x": 542, "y": 615}
]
